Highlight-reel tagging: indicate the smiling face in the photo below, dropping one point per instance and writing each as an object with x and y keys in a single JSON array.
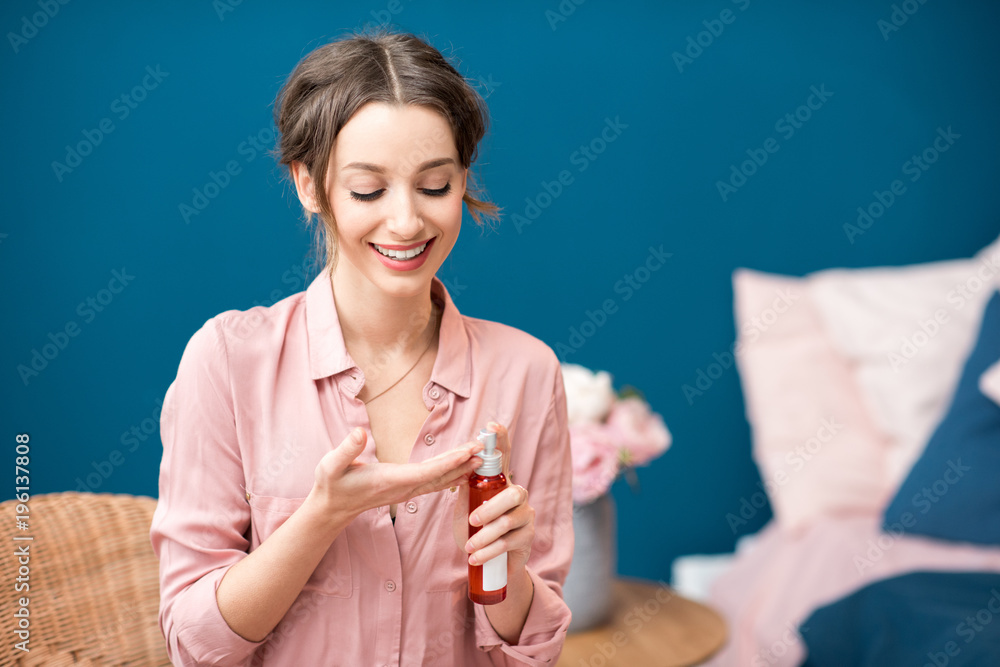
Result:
[{"x": 395, "y": 186}]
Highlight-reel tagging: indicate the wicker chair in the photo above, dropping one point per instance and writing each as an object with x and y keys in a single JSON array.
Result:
[{"x": 94, "y": 581}]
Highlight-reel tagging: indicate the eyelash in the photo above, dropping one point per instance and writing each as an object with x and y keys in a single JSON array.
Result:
[{"x": 371, "y": 196}]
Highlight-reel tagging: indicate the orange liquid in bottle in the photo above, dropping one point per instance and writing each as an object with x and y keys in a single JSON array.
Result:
[{"x": 482, "y": 489}]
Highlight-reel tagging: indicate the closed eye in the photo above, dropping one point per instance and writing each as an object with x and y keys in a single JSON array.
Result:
[
  {"x": 440, "y": 192},
  {"x": 371, "y": 196},
  {"x": 367, "y": 196}
]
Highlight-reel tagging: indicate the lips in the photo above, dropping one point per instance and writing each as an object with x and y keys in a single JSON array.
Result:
[
  {"x": 401, "y": 252},
  {"x": 403, "y": 258}
]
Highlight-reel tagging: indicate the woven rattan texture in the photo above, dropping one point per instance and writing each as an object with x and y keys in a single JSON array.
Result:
[{"x": 94, "y": 593}]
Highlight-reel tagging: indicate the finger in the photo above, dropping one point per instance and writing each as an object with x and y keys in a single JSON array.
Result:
[
  {"x": 499, "y": 527},
  {"x": 498, "y": 505},
  {"x": 462, "y": 473},
  {"x": 448, "y": 467},
  {"x": 515, "y": 540},
  {"x": 456, "y": 478},
  {"x": 473, "y": 447},
  {"x": 343, "y": 455}
]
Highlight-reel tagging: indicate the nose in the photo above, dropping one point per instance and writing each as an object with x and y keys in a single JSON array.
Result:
[{"x": 404, "y": 217}]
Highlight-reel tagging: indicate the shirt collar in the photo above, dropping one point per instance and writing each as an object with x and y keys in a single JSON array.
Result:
[{"x": 328, "y": 354}]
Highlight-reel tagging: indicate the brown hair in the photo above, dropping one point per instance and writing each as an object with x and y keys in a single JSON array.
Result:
[{"x": 334, "y": 81}]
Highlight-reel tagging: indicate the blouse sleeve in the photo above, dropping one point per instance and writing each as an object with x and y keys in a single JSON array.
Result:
[
  {"x": 199, "y": 528},
  {"x": 550, "y": 493}
]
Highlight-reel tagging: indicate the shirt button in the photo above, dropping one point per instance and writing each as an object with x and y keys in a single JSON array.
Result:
[
  {"x": 411, "y": 507},
  {"x": 429, "y": 439},
  {"x": 390, "y": 586},
  {"x": 435, "y": 394}
]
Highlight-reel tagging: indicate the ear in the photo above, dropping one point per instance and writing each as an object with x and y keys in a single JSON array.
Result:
[
  {"x": 305, "y": 187},
  {"x": 465, "y": 180}
]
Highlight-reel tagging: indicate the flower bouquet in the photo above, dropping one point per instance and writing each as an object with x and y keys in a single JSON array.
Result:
[{"x": 609, "y": 433}]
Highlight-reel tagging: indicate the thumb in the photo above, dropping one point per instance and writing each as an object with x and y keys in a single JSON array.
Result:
[{"x": 351, "y": 447}]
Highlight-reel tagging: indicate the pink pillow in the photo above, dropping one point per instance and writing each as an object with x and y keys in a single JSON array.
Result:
[
  {"x": 906, "y": 331},
  {"x": 817, "y": 448}
]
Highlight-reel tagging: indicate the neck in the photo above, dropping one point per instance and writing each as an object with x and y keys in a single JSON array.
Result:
[{"x": 374, "y": 322}]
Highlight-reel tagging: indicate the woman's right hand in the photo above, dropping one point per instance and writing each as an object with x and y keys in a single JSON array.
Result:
[{"x": 346, "y": 486}]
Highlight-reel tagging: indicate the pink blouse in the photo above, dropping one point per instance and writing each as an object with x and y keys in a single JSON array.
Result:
[{"x": 260, "y": 396}]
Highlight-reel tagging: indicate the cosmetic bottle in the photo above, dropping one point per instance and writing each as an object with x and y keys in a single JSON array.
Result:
[{"x": 487, "y": 582}]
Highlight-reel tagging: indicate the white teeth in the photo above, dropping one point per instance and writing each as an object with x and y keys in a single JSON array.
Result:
[{"x": 401, "y": 254}]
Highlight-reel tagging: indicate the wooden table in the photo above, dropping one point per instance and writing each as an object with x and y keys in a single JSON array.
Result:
[{"x": 650, "y": 626}]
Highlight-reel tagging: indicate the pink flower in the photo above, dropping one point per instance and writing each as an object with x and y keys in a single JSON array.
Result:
[
  {"x": 607, "y": 433},
  {"x": 642, "y": 433},
  {"x": 595, "y": 461}
]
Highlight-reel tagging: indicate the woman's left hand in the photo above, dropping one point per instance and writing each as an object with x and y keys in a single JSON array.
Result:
[{"x": 507, "y": 520}]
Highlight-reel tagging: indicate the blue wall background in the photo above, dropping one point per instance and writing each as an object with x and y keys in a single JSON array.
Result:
[{"x": 551, "y": 86}]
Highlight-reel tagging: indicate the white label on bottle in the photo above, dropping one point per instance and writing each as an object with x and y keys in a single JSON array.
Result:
[{"x": 495, "y": 573}]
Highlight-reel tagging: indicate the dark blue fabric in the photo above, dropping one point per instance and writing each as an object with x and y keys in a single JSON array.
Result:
[
  {"x": 921, "y": 619},
  {"x": 953, "y": 490}
]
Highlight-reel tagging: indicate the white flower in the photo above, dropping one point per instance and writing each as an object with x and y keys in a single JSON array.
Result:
[{"x": 589, "y": 395}]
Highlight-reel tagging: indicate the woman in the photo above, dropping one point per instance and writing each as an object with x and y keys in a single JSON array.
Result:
[{"x": 313, "y": 489}]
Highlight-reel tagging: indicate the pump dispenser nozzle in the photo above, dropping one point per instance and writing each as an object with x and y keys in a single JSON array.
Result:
[{"x": 492, "y": 458}]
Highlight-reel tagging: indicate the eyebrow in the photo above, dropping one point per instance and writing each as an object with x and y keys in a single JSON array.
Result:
[{"x": 430, "y": 164}]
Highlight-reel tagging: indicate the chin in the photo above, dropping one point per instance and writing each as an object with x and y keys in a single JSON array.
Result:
[{"x": 409, "y": 284}]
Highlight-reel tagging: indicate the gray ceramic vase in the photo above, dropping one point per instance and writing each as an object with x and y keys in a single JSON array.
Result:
[{"x": 588, "y": 586}]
